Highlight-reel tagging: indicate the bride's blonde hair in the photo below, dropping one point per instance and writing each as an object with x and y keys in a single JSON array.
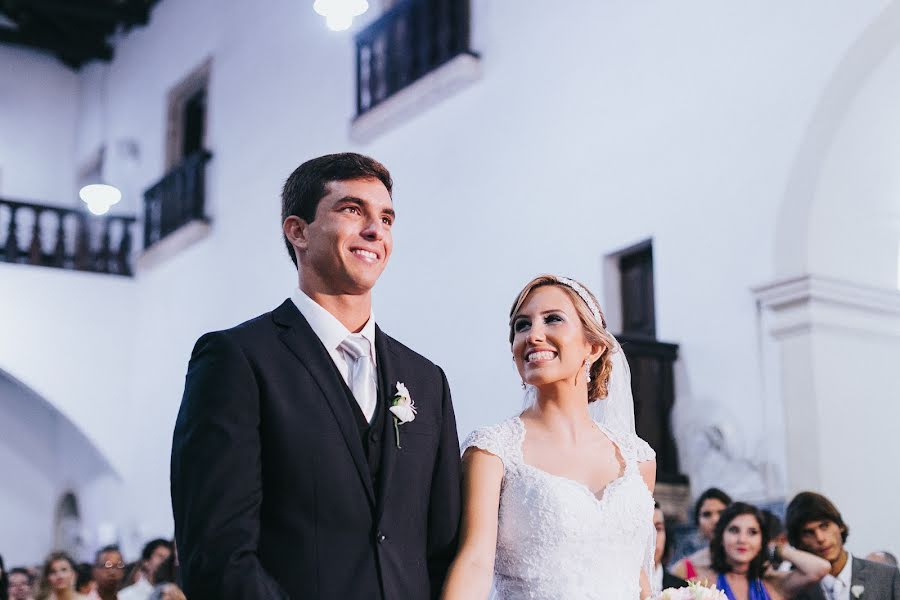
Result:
[{"x": 594, "y": 332}]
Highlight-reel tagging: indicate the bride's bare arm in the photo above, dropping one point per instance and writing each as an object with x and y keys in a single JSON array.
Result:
[
  {"x": 471, "y": 572},
  {"x": 648, "y": 474}
]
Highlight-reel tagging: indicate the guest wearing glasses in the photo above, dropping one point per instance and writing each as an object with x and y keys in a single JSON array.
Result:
[
  {"x": 109, "y": 571},
  {"x": 20, "y": 584}
]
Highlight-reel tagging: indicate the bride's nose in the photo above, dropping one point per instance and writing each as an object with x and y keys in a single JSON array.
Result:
[{"x": 536, "y": 333}]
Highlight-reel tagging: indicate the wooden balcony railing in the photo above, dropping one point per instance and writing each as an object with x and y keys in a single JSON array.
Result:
[
  {"x": 177, "y": 199},
  {"x": 653, "y": 386},
  {"x": 409, "y": 41},
  {"x": 52, "y": 236}
]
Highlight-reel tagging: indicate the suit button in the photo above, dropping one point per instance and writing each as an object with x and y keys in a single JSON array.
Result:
[
  {"x": 380, "y": 537},
  {"x": 375, "y": 438}
]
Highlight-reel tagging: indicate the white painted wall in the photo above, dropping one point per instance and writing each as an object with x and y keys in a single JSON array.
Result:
[
  {"x": 38, "y": 109},
  {"x": 590, "y": 130}
]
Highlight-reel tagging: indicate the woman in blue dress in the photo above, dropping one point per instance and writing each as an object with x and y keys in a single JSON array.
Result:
[{"x": 740, "y": 551}]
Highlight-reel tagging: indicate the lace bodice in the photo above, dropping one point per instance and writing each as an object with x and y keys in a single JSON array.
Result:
[{"x": 556, "y": 540}]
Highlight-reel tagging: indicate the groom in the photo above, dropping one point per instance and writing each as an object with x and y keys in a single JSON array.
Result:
[{"x": 292, "y": 477}]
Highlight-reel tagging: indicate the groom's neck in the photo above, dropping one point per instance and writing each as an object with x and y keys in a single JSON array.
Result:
[{"x": 352, "y": 310}]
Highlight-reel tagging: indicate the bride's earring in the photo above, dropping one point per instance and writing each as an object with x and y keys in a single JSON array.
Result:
[{"x": 587, "y": 370}]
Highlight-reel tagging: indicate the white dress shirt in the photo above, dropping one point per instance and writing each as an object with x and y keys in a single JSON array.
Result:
[
  {"x": 838, "y": 588},
  {"x": 140, "y": 590},
  {"x": 332, "y": 332}
]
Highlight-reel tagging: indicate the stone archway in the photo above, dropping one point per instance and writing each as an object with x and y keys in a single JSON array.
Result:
[
  {"x": 47, "y": 461},
  {"x": 830, "y": 321}
]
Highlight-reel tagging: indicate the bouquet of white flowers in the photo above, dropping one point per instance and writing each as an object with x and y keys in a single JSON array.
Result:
[{"x": 693, "y": 591}]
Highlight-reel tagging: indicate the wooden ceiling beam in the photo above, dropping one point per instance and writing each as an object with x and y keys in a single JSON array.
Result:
[{"x": 106, "y": 12}]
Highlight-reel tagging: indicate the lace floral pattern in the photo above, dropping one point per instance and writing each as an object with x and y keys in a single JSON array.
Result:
[{"x": 557, "y": 540}]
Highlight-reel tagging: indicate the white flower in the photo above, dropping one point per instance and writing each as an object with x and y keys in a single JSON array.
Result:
[
  {"x": 857, "y": 590},
  {"x": 693, "y": 591},
  {"x": 402, "y": 406}
]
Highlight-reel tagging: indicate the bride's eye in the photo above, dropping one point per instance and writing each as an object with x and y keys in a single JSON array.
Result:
[
  {"x": 554, "y": 318},
  {"x": 520, "y": 325}
]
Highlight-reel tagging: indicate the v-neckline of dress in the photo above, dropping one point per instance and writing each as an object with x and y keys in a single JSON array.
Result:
[{"x": 600, "y": 497}]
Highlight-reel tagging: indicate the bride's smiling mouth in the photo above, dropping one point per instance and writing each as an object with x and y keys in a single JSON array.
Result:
[{"x": 540, "y": 356}]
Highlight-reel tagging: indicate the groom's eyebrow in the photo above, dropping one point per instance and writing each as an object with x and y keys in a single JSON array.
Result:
[{"x": 363, "y": 204}]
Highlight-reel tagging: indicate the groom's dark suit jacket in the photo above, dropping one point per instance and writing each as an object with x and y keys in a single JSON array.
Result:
[
  {"x": 281, "y": 491},
  {"x": 878, "y": 582}
]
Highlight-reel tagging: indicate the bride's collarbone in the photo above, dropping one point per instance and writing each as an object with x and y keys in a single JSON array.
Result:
[{"x": 595, "y": 463}]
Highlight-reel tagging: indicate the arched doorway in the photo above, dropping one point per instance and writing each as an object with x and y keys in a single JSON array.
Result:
[
  {"x": 46, "y": 461},
  {"x": 831, "y": 319}
]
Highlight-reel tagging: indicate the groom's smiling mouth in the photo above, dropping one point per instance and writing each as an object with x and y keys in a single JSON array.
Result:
[
  {"x": 534, "y": 356},
  {"x": 366, "y": 255}
]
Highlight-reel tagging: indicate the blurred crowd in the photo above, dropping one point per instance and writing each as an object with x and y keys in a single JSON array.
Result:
[
  {"x": 750, "y": 551},
  {"x": 60, "y": 577},
  {"x": 753, "y": 554}
]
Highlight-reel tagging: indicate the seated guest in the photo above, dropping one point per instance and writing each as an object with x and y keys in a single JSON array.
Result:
[
  {"x": 662, "y": 579},
  {"x": 739, "y": 562},
  {"x": 84, "y": 579},
  {"x": 109, "y": 571},
  {"x": 155, "y": 553},
  {"x": 165, "y": 577},
  {"x": 58, "y": 578},
  {"x": 815, "y": 525},
  {"x": 20, "y": 582},
  {"x": 709, "y": 506},
  {"x": 882, "y": 556},
  {"x": 4, "y": 580}
]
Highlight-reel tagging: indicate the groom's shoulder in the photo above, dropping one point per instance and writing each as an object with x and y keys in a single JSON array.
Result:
[
  {"x": 260, "y": 327},
  {"x": 407, "y": 355}
]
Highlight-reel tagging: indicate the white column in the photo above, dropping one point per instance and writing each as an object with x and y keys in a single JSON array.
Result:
[{"x": 833, "y": 350}]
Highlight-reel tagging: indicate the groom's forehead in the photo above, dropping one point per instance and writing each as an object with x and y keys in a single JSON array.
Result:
[{"x": 370, "y": 192}]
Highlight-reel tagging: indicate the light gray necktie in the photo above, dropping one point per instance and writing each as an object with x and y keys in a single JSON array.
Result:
[
  {"x": 832, "y": 586},
  {"x": 361, "y": 375}
]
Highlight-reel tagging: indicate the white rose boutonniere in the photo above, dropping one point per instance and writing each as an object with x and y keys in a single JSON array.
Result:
[
  {"x": 857, "y": 590},
  {"x": 403, "y": 408}
]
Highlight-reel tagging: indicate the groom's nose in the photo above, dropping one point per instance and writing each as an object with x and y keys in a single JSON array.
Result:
[{"x": 374, "y": 230}]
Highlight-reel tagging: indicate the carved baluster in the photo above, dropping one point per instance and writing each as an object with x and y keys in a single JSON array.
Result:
[
  {"x": 200, "y": 188},
  {"x": 11, "y": 252},
  {"x": 443, "y": 30},
  {"x": 83, "y": 245},
  {"x": 59, "y": 248},
  {"x": 123, "y": 256},
  {"x": 102, "y": 262},
  {"x": 425, "y": 38},
  {"x": 35, "y": 251}
]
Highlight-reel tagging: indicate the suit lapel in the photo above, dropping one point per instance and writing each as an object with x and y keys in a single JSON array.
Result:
[
  {"x": 386, "y": 388},
  {"x": 857, "y": 573},
  {"x": 303, "y": 342}
]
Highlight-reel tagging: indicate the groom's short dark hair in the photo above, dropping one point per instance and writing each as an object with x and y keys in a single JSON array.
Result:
[
  {"x": 807, "y": 507},
  {"x": 307, "y": 184}
]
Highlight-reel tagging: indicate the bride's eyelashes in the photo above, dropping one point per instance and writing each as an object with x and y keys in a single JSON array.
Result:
[{"x": 522, "y": 324}]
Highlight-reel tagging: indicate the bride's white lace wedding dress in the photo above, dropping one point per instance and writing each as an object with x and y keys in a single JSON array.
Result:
[{"x": 556, "y": 540}]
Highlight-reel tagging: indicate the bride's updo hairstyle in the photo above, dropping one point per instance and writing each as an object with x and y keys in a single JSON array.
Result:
[{"x": 594, "y": 331}]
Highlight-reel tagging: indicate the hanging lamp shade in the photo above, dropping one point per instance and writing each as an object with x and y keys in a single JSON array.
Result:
[
  {"x": 339, "y": 14},
  {"x": 99, "y": 197}
]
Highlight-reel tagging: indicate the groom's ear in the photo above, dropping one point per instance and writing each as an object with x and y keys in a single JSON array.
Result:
[{"x": 296, "y": 231}]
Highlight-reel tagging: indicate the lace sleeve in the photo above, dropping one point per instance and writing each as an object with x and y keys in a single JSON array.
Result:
[
  {"x": 490, "y": 439},
  {"x": 642, "y": 450}
]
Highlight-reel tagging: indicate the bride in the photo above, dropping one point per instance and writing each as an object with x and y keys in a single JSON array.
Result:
[{"x": 557, "y": 503}]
